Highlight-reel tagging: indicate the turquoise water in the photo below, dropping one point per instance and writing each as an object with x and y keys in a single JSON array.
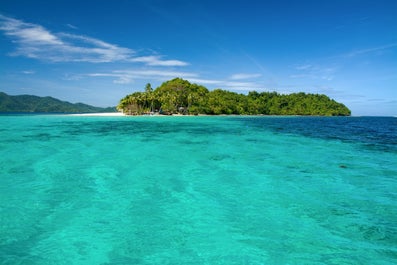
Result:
[{"x": 198, "y": 190}]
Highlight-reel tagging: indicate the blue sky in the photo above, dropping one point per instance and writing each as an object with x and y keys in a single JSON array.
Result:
[{"x": 96, "y": 52}]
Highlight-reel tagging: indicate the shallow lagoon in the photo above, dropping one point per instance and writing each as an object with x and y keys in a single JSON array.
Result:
[{"x": 198, "y": 190}]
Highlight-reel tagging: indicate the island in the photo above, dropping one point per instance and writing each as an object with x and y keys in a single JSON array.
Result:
[
  {"x": 35, "y": 104},
  {"x": 179, "y": 96}
]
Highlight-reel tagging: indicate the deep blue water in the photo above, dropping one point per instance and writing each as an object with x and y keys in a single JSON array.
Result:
[{"x": 198, "y": 190}]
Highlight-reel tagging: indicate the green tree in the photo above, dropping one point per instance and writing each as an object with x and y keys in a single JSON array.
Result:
[{"x": 180, "y": 96}]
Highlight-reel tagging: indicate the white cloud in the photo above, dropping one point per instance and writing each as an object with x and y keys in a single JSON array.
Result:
[
  {"x": 244, "y": 76},
  {"x": 88, "y": 49},
  {"x": 156, "y": 73},
  {"x": 28, "y": 72},
  {"x": 371, "y": 50},
  {"x": 128, "y": 76},
  {"x": 310, "y": 71},
  {"x": 156, "y": 61},
  {"x": 242, "y": 86},
  {"x": 26, "y": 33},
  {"x": 123, "y": 79},
  {"x": 71, "y": 26},
  {"x": 205, "y": 81},
  {"x": 303, "y": 67},
  {"x": 34, "y": 41}
]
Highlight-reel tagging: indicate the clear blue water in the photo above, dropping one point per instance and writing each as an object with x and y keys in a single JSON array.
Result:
[{"x": 198, "y": 190}]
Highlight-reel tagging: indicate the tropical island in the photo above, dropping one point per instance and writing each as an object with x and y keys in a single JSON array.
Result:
[{"x": 179, "y": 96}]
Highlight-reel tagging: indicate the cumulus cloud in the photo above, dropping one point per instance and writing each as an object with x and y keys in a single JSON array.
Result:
[{"x": 35, "y": 41}]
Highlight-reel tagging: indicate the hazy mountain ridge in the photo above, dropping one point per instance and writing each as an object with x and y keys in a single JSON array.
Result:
[{"x": 36, "y": 104}]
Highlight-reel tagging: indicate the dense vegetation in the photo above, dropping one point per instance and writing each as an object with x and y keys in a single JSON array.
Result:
[
  {"x": 180, "y": 96},
  {"x": 28, "y": 103}
]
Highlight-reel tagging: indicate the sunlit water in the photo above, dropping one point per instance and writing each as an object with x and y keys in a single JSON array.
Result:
[{"x": 198, "y": 190}]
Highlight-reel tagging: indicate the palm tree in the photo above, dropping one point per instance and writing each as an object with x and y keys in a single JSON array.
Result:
[{"x": 149, "y": 96}]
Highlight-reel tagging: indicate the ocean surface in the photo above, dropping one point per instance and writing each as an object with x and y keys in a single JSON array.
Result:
[{"x": 198, "y": 190}]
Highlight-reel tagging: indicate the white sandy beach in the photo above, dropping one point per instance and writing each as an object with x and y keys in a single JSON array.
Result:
[{"x": 105, "y": 114}]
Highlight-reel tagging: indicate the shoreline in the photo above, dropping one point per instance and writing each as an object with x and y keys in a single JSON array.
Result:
[
  {"x": 121, "y": 114},
  {"x": 105, "y": 114}
]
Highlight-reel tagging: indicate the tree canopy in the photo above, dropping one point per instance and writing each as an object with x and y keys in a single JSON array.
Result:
[{"x": 180, "y": 96}]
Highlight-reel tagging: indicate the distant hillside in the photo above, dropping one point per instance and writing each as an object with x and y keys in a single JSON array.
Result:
[{"x": 29, "y": 103}]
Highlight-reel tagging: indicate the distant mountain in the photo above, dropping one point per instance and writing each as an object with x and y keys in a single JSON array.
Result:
[{"x": 35, "y": 104}]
